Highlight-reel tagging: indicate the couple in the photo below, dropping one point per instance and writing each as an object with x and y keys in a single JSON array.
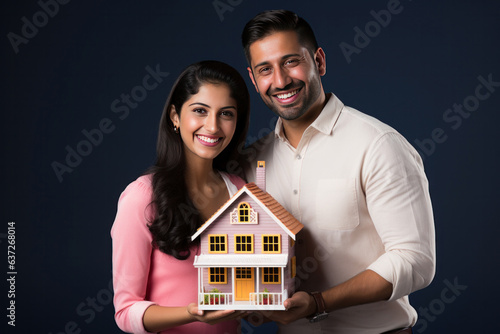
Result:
[{"x": 355, "y": 183}]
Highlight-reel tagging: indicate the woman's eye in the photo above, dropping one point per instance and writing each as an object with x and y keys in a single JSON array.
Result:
[
  {"x": 199, "y": 110},
  {"x": 227, "y": 113}
]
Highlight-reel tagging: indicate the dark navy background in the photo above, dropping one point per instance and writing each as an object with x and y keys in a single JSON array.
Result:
[{"x": 63, "y": 80}]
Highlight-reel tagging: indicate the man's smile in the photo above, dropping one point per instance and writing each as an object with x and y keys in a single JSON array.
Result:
[{"x": 287, "y": 97}]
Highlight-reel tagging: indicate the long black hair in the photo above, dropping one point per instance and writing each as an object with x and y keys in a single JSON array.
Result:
[{"x": 176, "y": 217}]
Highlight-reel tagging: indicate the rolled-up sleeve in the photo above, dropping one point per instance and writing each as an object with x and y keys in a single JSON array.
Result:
[
  {"x": 399, "y": 204},
  {"x": 132, "y": 257}
]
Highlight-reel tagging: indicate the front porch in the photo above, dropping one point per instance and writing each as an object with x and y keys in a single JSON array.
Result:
[
  {"x": 257, "y": 301},
  {"x": 242, "y": 282}
]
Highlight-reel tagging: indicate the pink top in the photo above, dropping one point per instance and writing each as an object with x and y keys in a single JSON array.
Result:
[{"x": 143, "y": 275}]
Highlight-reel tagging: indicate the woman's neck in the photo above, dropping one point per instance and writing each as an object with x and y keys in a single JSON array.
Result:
[
  {"x": 200, "y": 174},
  {"x": 205, "y": 187}
]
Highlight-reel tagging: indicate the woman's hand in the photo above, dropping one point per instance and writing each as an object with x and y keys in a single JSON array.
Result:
[{"x": 213, "y": 317}]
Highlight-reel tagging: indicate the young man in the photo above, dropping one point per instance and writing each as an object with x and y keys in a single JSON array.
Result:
[{"x": 356, "y": 184}]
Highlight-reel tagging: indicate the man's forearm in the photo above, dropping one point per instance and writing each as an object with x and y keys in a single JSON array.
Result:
[{"x": 366, "y": 287}]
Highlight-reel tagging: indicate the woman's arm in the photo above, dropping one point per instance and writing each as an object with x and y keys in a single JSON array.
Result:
[
  {"x": 158, "y": 318},
  {"x": 131, "y": 256}
]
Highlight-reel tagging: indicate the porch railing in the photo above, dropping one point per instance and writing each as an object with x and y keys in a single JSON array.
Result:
[
  {"x": 215, "y": 298},
  {"x": 268, "y": 298}
]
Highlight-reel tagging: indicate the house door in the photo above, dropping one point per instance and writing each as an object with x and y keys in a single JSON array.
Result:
[{"x": 244, "y": 283}]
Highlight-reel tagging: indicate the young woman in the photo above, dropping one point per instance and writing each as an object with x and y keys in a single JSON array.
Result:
[{"x": 204, "y": 121}]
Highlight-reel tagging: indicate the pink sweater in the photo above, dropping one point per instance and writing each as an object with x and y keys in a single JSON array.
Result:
[{"x": 143, "y": 275}]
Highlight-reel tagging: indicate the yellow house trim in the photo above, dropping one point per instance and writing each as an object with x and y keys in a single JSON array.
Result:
[
  {"x": 217, "y": 275},
  {"x": 243, "y": 243},
  {"x": 273, "y": 243},
  {"x": 217, "y": 243},
  {"x": 271, "y": 275}
]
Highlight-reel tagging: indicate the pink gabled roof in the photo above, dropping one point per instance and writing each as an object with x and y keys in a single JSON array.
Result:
[{"x": 272, "y": 206}]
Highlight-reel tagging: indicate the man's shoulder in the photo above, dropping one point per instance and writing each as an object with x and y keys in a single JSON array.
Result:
[
  {"x": 370, "y": 132},
  {"x": 366, "y": 122}
]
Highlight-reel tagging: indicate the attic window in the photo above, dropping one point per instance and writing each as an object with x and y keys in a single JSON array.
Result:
[{"x": 244, "y": 214}]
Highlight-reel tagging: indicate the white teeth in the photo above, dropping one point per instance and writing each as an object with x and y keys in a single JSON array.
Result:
[
  {"x": 209, "y": 140},
  {"x": 286, "y": 96}
]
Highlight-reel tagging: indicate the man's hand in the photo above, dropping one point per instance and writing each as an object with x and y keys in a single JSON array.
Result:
[{"x": 299, "y": 306}]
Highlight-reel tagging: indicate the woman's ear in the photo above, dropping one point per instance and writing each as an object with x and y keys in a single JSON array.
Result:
[{"x": 174, "y": 116}]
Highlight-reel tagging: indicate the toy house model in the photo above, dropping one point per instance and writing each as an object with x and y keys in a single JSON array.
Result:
[{"x": 247, "y": 258}]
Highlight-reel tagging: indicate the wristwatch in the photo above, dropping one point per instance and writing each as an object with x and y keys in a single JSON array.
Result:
[{"x": 320, "y": 308}]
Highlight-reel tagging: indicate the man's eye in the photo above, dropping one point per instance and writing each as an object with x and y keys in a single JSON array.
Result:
[{"x": 265, "y": 70}]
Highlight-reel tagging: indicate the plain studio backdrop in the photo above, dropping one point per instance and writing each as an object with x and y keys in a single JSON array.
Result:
[{"x": 83, "y": 86}]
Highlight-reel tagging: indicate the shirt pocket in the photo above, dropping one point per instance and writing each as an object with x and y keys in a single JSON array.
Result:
[{"x": 337, "y": 204}]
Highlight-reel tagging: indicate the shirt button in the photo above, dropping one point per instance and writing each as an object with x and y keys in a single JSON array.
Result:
[
  {"x": 295, "y": 191},
  {"x": 299, "y": 157}
]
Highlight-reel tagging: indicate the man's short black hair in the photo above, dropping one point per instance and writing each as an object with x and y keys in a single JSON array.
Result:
[{"x": 271, "y": 21}]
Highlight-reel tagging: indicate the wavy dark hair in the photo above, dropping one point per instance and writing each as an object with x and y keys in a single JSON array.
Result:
[
  {"x": 176, "y": 218},
  {"x": 271, "y": 21}
]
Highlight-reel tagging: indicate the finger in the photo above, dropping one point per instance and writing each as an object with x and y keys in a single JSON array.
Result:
[
  {"x": 294, "y": 301},
  {"x": 194, "y": 310}
]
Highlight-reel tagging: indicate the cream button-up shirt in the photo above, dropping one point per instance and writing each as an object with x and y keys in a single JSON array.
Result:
[{"x": 360, "y": 189}]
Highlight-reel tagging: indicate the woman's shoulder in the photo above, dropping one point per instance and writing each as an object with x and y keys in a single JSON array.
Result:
[
  {"x": 142, "y": 183},
  {"x": 145, "y": 181},
  {"x": 134, "y": 209},
  {"x": 138, "y": 190}
]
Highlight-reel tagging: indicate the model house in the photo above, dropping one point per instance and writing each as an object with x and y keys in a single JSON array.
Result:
[{"x": 247, "y": 259}]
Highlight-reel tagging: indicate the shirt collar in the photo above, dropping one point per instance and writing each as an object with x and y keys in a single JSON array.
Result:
[{"x": 325, "y": 121}]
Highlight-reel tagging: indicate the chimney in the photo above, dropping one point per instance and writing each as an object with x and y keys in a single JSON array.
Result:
[{"x": 260, "y": 175}]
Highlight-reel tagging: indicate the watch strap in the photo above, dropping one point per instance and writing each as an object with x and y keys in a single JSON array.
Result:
[
  {"x": 320, "y": 313},
  {"x": 320, "y": 302}
]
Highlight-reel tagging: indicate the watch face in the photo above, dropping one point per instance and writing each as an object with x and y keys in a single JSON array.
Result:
[{"x": 319, "y": 317}]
